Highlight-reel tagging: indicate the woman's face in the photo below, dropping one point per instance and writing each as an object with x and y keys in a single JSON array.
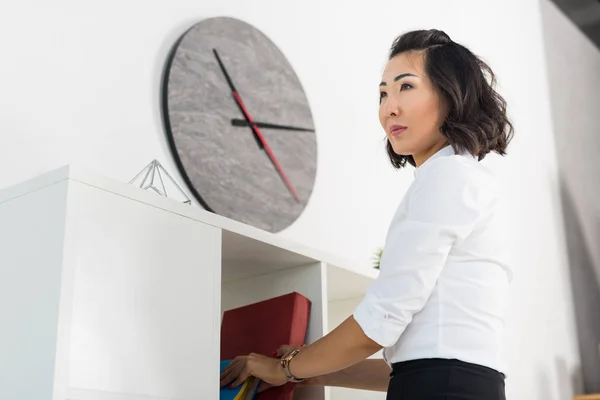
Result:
[{"x": 410, "y": 110}]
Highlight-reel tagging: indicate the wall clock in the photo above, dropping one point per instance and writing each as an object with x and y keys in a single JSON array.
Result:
[{"x": 239, "y": 125}]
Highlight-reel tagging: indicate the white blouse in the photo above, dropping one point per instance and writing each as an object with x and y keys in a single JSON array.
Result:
[{"x": 442, "y": 286}]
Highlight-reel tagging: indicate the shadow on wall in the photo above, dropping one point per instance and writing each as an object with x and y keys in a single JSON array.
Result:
[
  {"x": 564, "y": 383},
  {"x": 586, "y": 295},
  {"x": 569, "y": 381}
]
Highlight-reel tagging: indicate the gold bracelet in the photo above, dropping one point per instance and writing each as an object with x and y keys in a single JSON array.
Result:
[{"x": 285, "y": 363}]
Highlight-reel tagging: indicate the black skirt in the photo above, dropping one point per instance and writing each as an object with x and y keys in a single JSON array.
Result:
[{"x": 443, "y": 379}]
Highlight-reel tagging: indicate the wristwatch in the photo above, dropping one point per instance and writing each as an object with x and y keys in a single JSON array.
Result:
[{"x": 285, "y": 363}]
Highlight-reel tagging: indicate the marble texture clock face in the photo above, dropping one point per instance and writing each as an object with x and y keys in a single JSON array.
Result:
[{"x": 239, "y": 124}]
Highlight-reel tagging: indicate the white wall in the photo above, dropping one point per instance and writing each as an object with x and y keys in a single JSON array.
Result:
[
  {"x": 79, "y": 82},
  {"x": 573, "y": 64}
]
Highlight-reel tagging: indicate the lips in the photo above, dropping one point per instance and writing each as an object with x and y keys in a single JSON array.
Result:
[{"x": 396, "y": 130}]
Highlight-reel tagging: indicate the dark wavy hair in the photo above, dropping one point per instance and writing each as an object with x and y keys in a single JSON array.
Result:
[{"x": 477, "y": 121}]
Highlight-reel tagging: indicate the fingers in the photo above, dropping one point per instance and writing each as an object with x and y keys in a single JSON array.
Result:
[
  {"x": 232, "y": 371},
  {"x": 259, "y": 365},
  {"x": 241, "y": 378},
  {"x": 228, "y": 378},
  {"x": 232, "y": 365}
]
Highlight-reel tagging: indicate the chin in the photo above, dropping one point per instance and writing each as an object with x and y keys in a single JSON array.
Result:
[{"x": 401, "y": 150}]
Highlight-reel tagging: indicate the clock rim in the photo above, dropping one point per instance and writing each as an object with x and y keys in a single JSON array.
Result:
[
  {"x": 167, "y": 119},
  {"x": 164, "y": 86}
]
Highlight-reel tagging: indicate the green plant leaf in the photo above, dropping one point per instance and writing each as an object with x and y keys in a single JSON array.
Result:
[{"x": 377, "y": 258}]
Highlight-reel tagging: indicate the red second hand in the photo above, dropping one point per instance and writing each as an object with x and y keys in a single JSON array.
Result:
[{"x": 266, "y": 145}]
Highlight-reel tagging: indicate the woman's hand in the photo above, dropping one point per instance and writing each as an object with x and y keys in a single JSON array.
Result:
[{"x": 264, "y": 368}]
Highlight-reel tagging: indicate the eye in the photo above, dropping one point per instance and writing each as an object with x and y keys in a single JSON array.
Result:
[
  {"x": 406, "y": 86},
  {"x": 381, "y": 96}
]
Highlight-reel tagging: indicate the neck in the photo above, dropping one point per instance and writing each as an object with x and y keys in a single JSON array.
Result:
[{"x": 422, "y": 157}]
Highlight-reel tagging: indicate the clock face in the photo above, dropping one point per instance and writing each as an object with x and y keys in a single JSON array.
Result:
[{"x": 239, "y": 124}]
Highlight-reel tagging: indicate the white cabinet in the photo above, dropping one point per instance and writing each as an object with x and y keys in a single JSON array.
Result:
[{"x": 110, "y": 292}]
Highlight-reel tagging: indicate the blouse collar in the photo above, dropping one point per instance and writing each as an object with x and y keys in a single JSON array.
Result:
[{"x": 443, "y": 152}]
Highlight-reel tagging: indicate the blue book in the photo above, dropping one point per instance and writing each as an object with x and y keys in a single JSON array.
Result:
[{"x": 245, "y": 391}]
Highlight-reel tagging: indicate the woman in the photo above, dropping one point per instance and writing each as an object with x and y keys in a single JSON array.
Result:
[{"x": 437, "y": 306}]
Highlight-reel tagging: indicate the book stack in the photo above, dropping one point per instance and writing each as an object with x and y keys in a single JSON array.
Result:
[{"x": 262, "y": 328}]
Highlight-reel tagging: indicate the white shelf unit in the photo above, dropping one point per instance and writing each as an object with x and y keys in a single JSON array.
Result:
[{"x": 111, "y": 292}]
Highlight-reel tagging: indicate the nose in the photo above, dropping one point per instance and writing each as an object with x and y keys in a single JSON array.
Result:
[{"x": 392, "y": 106}]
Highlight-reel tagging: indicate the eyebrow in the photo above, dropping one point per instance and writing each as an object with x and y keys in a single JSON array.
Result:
[{"x": 396, "y": 79}]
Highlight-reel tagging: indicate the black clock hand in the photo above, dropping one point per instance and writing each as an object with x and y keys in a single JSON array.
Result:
[
  {"x": 257, "y": 134},
  {"x": 241, "y": 122},
  {"x": 235, "y": 97}
]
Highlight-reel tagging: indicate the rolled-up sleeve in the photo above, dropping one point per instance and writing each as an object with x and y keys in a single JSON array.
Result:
[{"x": 442, "y": 207}]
